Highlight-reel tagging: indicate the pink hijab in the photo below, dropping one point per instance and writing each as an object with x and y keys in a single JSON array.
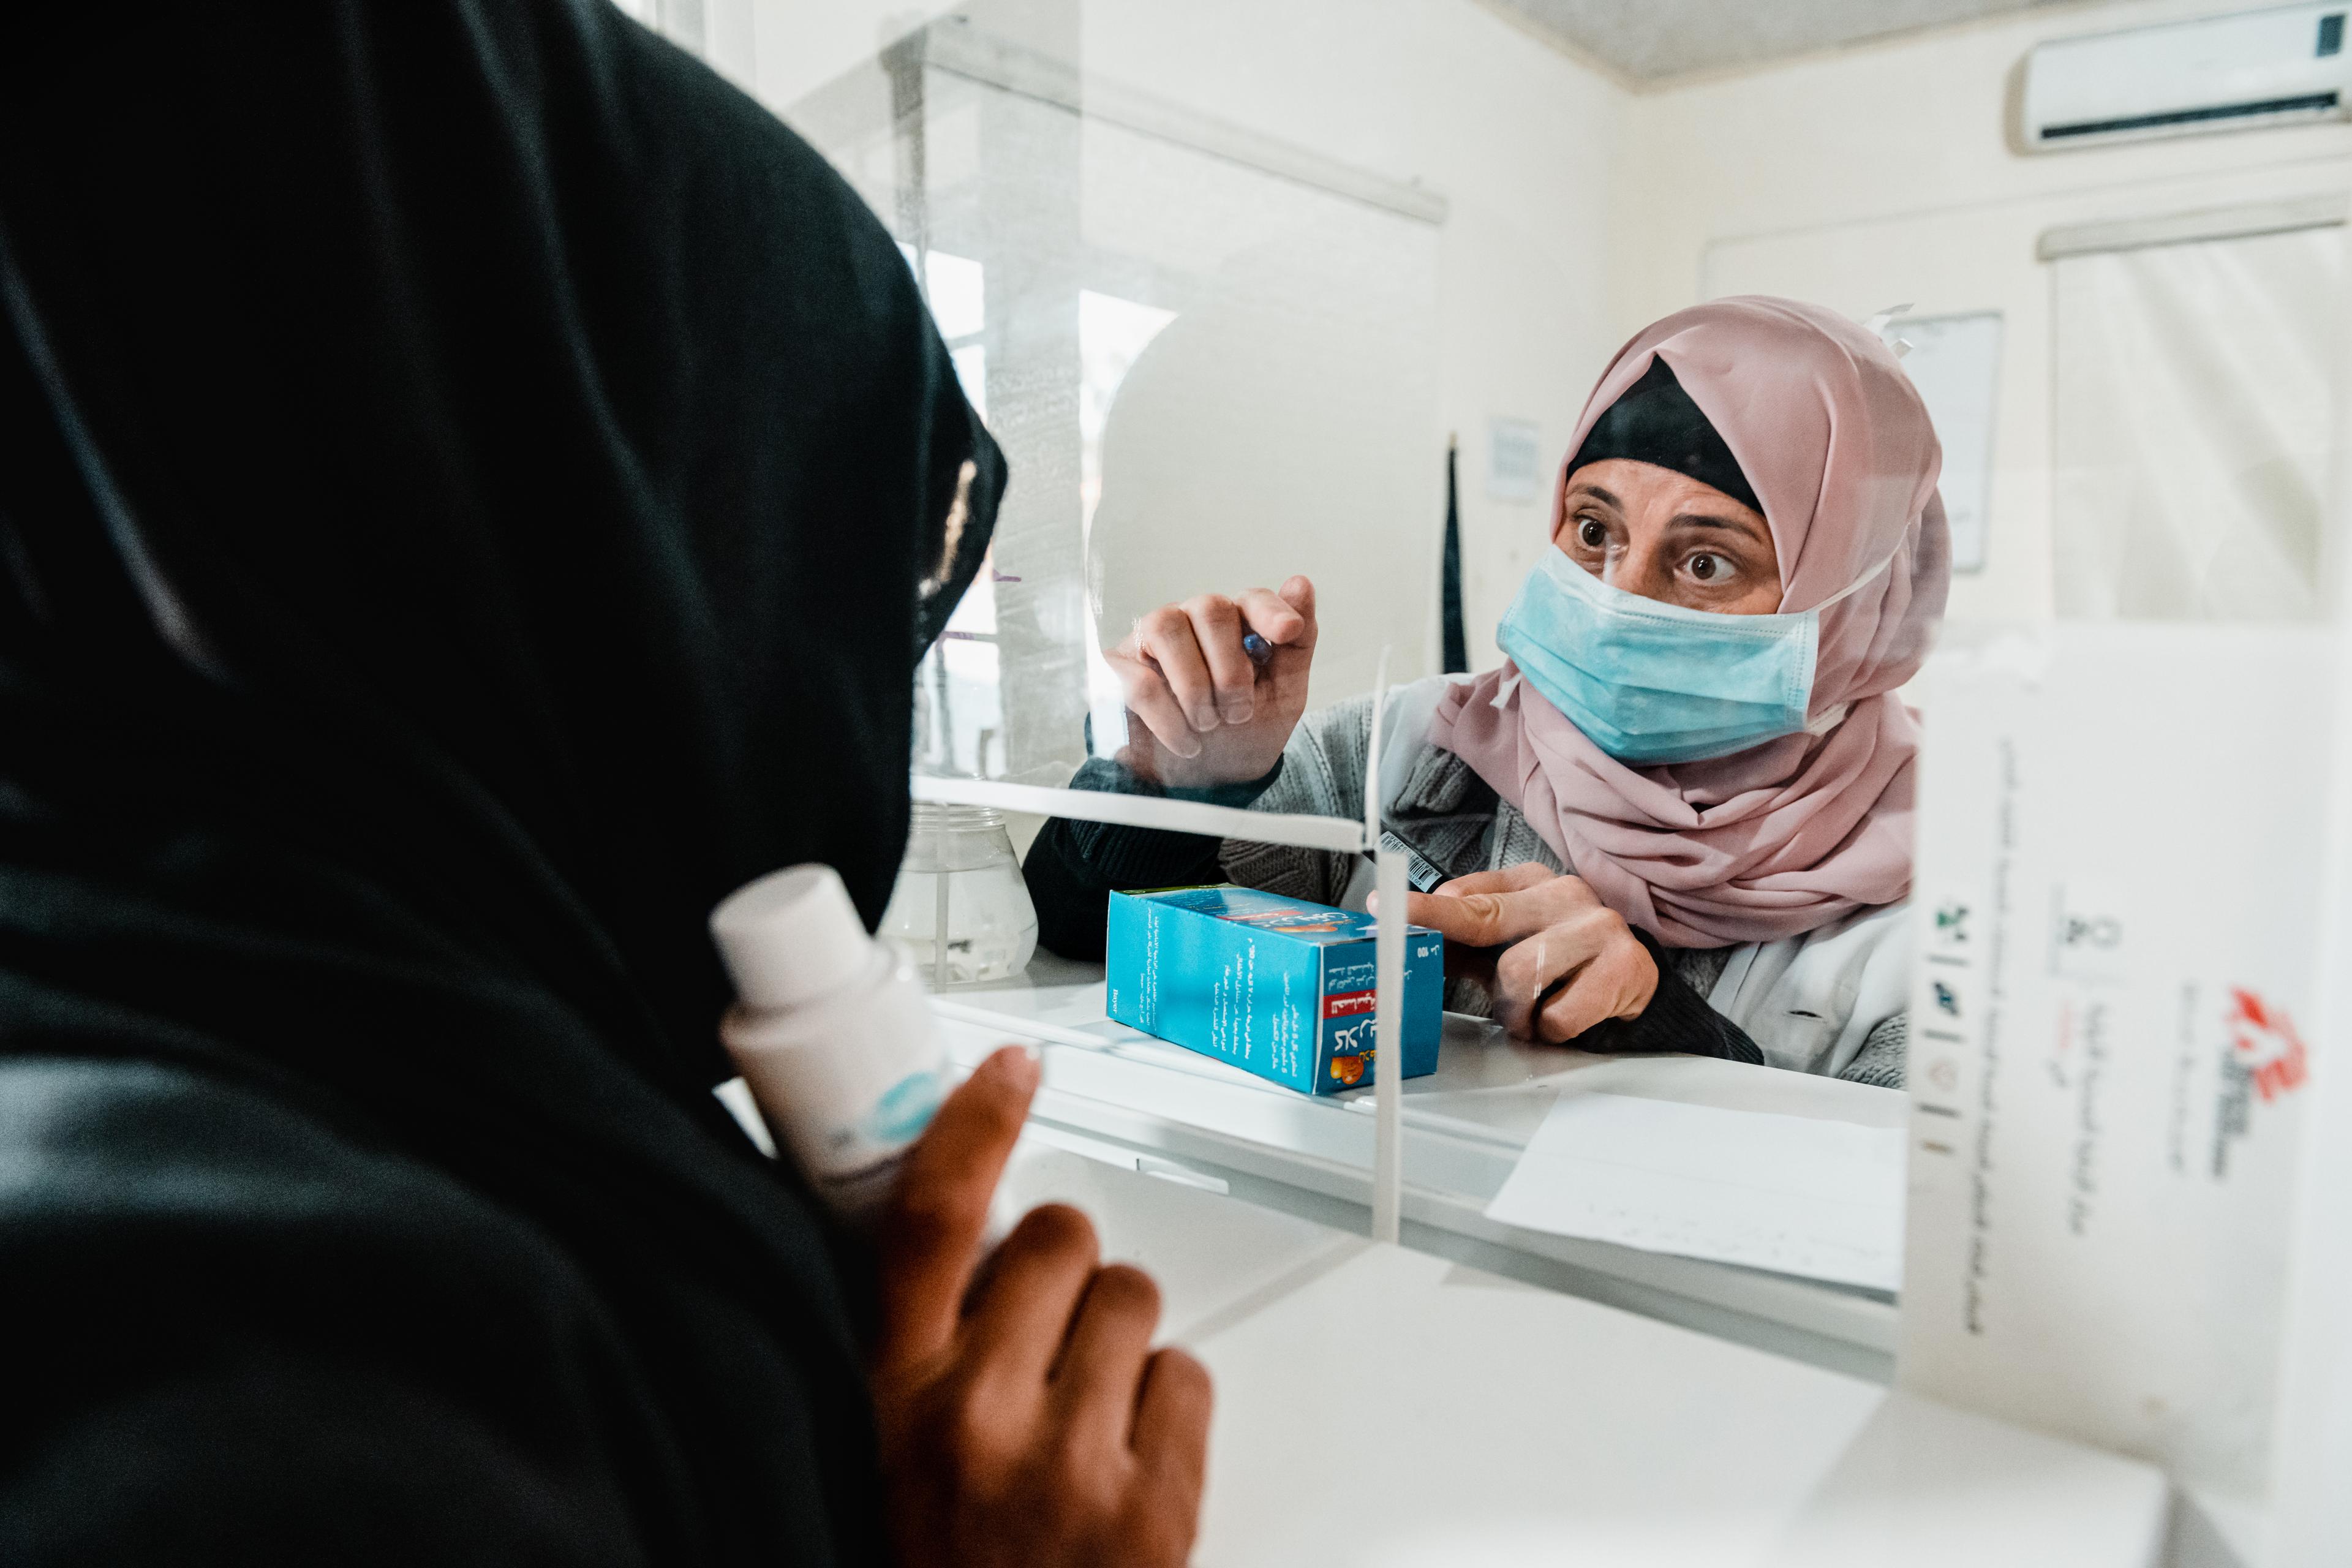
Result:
[{"x": 1789, "y": 835}]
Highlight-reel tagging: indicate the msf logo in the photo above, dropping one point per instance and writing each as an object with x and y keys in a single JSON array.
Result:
[
  {"x": 2265, "y": 1045},
  {"x": 2264, "y": 1057}
]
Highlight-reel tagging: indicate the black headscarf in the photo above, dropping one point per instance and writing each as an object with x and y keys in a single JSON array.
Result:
[
  {"x": 1655, "y": 422},
  {"x": 473, "y": 487}
]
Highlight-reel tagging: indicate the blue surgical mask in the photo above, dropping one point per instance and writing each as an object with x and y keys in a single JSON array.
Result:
[{"x": 1650, "y": 682}]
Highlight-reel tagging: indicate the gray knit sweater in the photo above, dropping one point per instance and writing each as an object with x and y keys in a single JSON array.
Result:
[{"x": 1450, "y": 823}]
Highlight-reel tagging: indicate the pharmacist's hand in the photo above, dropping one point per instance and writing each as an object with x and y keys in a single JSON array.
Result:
[
  {"x": 1569, "y": 959},
  {"x": 1025, "y": 1420},
  {"x": 1199, "y": 710}
]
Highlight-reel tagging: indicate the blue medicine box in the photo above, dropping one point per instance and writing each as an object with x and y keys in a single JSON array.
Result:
[{"x": 1278, "y": 986}]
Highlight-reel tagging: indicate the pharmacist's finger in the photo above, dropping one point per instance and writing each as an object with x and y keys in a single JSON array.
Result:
[
  {"x": 1483, "y": 919},
  {"x": 1533, "y": 966},
  {"x": 928, "y": 1241},
  {"x": 1149, "y": 699},
  {"x": 1293, "y": 658},
  {"x": 1217, "y": 630},
  {"x": 1166, "y": 637},
  {"x": 1298, "y": 593},
  {"x": 1509, "y": 880},
  {"x": 1611, "y": 986},
  {"x": 1274, "y": 618}
]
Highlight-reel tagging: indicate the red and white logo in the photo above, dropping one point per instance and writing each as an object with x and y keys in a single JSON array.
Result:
[{"x": 2264, "y": 1044}]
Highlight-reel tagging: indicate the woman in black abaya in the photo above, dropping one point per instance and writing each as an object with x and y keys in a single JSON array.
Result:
[{"x": 473, "y": 489}]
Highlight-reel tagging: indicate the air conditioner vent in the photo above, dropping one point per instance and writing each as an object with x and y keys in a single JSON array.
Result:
[
  {"x": 2321, "y": 103},
  {"x": 2280, "y": 67}
]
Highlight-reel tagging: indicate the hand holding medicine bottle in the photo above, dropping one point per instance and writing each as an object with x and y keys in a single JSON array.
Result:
[
  {"x": 1215, "y": 685},
  {"x": 1025, "y": 1419}
]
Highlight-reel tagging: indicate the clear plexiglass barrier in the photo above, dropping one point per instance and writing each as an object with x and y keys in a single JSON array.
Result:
[
  {"x": 1258, "y": 297},
  {"x": 1208, "y": 356}
]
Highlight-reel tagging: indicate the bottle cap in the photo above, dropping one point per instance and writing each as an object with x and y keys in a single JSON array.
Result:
[{"x": 791, "y": 936}]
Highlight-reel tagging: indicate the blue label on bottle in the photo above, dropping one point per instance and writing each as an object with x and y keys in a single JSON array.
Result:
[{"x": 905, "y": 1109}]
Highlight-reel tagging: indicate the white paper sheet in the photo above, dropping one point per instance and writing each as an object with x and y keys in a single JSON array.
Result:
[{"x": 1793, "y": 1193}]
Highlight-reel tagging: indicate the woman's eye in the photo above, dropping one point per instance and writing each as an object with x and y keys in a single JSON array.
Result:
[
  {"x": 1705, "y": 567},
  {"x": 1591, "y": 534}
]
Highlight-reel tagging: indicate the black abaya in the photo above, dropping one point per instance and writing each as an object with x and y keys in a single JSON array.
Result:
[{"x": 472, "y": 489}]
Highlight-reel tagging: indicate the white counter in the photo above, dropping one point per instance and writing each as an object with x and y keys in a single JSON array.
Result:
[
  {"x": 1122, "y": 1097},
  {"x": 1542, "y": 1428}
]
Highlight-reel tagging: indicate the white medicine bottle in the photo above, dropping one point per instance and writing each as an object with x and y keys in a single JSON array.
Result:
[{"x": 831, "y": 1031}]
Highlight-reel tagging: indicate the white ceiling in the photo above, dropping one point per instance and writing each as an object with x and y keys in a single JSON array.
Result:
[{"x": 1649, "y": 40}]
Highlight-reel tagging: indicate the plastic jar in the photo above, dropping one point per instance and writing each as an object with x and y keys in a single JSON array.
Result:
[{"x": 961, "y": 908}]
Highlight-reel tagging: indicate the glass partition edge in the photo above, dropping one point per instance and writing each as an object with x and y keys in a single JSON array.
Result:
[{"x": 1341, "y": 834}]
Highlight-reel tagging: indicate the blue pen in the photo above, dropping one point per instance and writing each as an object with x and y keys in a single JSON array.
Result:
[{"x": 1257, "y": 647}]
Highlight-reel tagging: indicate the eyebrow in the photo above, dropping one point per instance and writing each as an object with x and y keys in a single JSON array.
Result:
[
  {"x": 1700, "y": 519},
  {"x": 1740, "y": 528}
]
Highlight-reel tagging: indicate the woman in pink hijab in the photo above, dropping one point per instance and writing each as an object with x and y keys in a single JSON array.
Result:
[{"x": 1679, "y": 817}]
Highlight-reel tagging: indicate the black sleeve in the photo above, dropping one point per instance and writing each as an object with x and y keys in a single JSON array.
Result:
[
  {"x": 260, "y": 1344},
  {"x": 1677, "y": 1019},
  {"x": 1074, "y": 867},
  {"x": 277, "y": 1455}
]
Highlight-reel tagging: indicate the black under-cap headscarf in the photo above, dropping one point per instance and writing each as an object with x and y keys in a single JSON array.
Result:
[
  {"x": 473, "y": 486},
  {"x": 1656, "y": 423}
]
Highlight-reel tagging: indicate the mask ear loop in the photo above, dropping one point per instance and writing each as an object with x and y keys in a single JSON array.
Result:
[
  {"x": 1856, "y": 586},
  {"x": 1830, "y": 717}
]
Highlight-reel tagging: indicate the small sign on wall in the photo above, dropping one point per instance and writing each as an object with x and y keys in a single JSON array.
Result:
[
  {"x": 1514, "y": 460},
  {"x": 1955, "y": 362}
]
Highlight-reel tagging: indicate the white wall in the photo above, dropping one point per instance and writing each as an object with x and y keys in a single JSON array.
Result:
[
  {"x": 1581, "y": 211},
  {"x": 1885, "y": 173},
  {"x": 1519, "y": 140}
]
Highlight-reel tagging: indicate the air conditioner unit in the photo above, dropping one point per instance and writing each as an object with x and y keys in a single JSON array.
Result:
[{"x": 2223, "y": 73}]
